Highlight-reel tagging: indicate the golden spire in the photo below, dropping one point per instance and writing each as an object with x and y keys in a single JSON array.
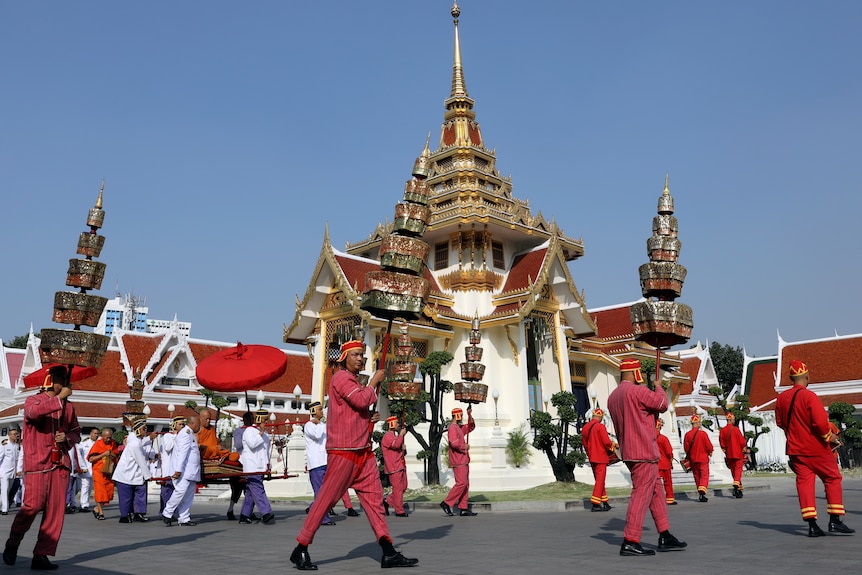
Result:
[
  {"x": 458, "y": 86},
  {"x": 666, "y": 189},
  {"x": 101, "y": 190},
  {"x": 426, "y": 153}
]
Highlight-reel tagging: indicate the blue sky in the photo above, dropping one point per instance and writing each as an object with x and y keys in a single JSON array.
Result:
[{"x": 230, "y": 133}]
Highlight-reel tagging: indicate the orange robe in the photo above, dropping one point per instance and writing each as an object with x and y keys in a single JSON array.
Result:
[
  {"x": 209, "y": 444},
  {"x": 103, "y": 487}
]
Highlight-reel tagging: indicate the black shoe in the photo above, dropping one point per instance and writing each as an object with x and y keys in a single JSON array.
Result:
[
  {"x": 702, "y": 498},
  {"x": 302, "y": 560},
  {"x": 735, "y": 491},
  {"x": 739, "y": 494},
  {"x": 352, "y": 512},
  {"x": 246, "y": 520},
  {"x": 189, "y": 523},
  {"x": 268, "y": 519},
  {"x": 814, "y": 530},
  {"x": 232, "y": 517},
  {"x": 167, "y": 520},
  {"x": 632, "y": 549},
  {"x": 400, "y": 515},
  {"x": 668, "y": 542},
  {"x": 446, "y": 509},
  {"x": 254, "y": 517},
  {"x": 467, "y": 513},
  {"x": 4, "y": 513},
  {"x": 10, "y": 555},
  {"x": 596, "y": 508},
  {"x": 386, "y": 507},
  {"x": 71, "y": 509},
  {"x": 606, "y": 506},
  {"x": 673, "y": 503},
  {"x": 140, "y": 518},
  {"x": 837, "y": 526},
  {"x": 126, "y": 518},
  {"x": 397, "y": 560},
  {"x": 41, "y": 563},
  {"x": 83, "y": 510},
  {"x": 306, "y": 509}
]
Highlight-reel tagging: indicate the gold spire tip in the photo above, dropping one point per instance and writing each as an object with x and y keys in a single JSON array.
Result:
[
  {"x": 666, "y": 188},
  {"x": 101, "y": 191},
  {"x": 456, "y": 11}
]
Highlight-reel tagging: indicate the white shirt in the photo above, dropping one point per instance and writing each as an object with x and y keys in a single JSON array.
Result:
[
  {"x": 255, "y": 450},
  {"x": 315, "y": 444},
  {"x": 169, "y": 441},
  {"x": 10, "y": 459},
  {"x": 132, "y": 468},
  {"x": 186, "y": 457},
  {"x": 83, "y": 449}
]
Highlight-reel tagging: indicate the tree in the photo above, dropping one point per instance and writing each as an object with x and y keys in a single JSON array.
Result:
[
  {"x": 564, "y": 451},
  {"x": 18, "y": 342},
  {"x": 841, "y": 413},
  {"x": 428, "y": 408},
  {"x": 727, "y": 362}
]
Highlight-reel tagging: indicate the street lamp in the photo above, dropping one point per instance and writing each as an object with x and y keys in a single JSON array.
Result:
[
  {"x": 496, "y": 395},
  {"x": 297, "y": 393},
  {"x": 260, "y": 397},
  {"x": 146, "y": 410},
  {"x": 594, "y": 395},
  {"x": 545, "y": 399}
]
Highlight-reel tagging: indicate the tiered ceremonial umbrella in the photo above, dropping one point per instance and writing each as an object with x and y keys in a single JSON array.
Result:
[
  {"x": 79, "y": 373},
  {"x": 241, "y": 368}
]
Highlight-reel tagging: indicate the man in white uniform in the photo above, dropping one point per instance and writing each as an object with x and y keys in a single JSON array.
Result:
[
  {"x": 10, "y": 454},
  {"x": 186, "y": 461},
  {"x": 86, "y": 474}
]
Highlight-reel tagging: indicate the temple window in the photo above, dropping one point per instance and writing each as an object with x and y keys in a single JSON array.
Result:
[
  {"x": 441, "y": 256},
  {"x": 497, "y": 254}
]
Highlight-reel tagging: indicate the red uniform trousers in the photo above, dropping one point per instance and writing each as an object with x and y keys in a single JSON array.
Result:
[
  {"x": 461, "y": 490},
  {"x": 807, "y": 467},
  {"x": 348, "y": 469},
  {"x": 399, "y": 485},
  {"x": 42, "y": 492},
  {"x": 647, "y": 493},
  {"x": 667, "y": 479},
  {"x": 700, "y": 471},
  {"x": 735, "y": 466},
  {"x": 600, "y": 494}
]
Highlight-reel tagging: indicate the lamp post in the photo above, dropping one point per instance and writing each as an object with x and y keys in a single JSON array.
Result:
[
  {"x": 297, "y": 394},
  {"x": 545, "y": 399},
  {"x": 496, "y": 395},
  {"x": 594, "y": 395},
  {"x": 260, "y": 397}
]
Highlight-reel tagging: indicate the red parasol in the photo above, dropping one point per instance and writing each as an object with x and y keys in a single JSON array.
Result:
[
  {"x": 241, "y": 368},
  {"x": 36, "y": 378}
]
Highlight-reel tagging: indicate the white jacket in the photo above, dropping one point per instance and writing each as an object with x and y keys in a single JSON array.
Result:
[
  {"x": 255, "y": 450},
  {"x": 10, "y": 456},
  {"x": 132, "y": 468},
  {"x": 315, "y": 444},
  {"x": 186, "y": 457},
  {"x": 169, "y": 441},
  {"x": 83, "y": 449}
]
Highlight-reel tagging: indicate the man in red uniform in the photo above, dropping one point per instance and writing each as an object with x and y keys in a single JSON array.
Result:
[
  {"x": 800, "y": 414},
  {"x": 598, "y": 445},
  {"x": 732, "y": 443},
  {"x": 459, "y": 461},
  {"x": 698, "y": 448},
  {"x": 394, "y": 465},
  {"x": 350, "y": 460},
  {"x": 50, "y": 431},
  {"x": 665, "y": 462},
  {"x": 634, "y": 408}
]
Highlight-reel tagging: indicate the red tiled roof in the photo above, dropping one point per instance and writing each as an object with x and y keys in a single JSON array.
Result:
[
  {"x": 298, "y": 372},
  {"x": 760, "y": 382},
  {"x": 614, "y": 323},
  {"x": 691, "y": 367},
  {"x": 111, "y": 377},
  {"x": 828, "y": 361},
  {"x": 140, "y": 349},
  {"x": 525, "y": 269}
]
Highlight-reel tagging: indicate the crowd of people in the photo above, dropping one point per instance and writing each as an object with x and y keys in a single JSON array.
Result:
[{"x": 52, "y": 465}]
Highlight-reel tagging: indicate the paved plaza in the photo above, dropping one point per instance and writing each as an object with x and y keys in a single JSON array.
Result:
[{"x": 761, "y": 533}]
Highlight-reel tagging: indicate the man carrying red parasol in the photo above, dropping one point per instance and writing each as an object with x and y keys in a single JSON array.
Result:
[{"x": 350, "y": 460}]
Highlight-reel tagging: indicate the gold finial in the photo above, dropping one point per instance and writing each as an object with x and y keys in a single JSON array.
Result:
[
  {"x": 427, "y": 151},
  {"x": 101, "y": 191},
  {"x": 458, "y": 86},
  {"x": 666, "y": 189}
]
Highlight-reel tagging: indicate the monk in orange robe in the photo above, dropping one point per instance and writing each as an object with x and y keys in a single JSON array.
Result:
[{"x": 208, "y": 441}]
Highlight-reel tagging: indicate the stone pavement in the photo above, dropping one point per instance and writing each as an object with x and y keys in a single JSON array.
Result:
[{"x": 761, "y": 533}]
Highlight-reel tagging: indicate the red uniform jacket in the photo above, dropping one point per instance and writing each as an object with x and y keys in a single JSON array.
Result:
[
  {"x": 348, "y": 418},
  {"x": 633, "y": 409},
  {"x": 807, "y": 429},
  {"x": 458, "y": 453},
  {"x": 698, "y": 446},
  {"x": 732, "y": 441},
  {"x": 43, "y": 417},
  {"x": 665, "y": 451},
  {"x": 597, "y": 443},
  {"x": 393, "y": 452}
]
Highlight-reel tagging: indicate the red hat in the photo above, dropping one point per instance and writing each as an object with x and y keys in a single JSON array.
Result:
[
  {"x": 347, "y": 346},
  {"x": 695, "y": 419},
  {"x": 392, "y": 421},
  {"x": 597, "y": 412},
  {"x": 729, "y": 415},
  {"x": 632, "y": 365},
  {"x": 797, "y": 368},
  {"x": 457, "y": 413},
  {"x": 659, "y": 422}
]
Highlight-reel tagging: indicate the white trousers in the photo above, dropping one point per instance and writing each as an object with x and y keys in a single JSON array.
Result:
[
  {"x": 86, "y": 487},
  {"x": 181, "y": 500},
  {"x": 5, "y": 483}
]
